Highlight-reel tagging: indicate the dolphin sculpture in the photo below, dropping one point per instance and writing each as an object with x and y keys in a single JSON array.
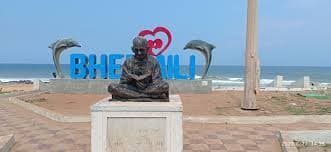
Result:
[
  {"x": 58, "y": 47},
  {"x": 205, "y": 48}
]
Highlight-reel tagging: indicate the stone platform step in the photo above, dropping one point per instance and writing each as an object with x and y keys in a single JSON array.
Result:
[{"x": 6, "y": 143}]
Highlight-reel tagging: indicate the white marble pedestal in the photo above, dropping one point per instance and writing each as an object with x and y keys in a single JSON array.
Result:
[{"x": 137, "y": 126}]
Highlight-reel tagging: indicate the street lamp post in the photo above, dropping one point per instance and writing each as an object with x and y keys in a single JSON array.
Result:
[{"x": 252, "y": 62}]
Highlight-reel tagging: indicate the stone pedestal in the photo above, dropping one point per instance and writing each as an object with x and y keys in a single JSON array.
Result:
[{"x": 137, "y": 126}]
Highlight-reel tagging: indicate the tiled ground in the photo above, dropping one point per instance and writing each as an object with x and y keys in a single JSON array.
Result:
[
  {"x": 34, "y": 133},
  {"x": 230, "y": 139}
]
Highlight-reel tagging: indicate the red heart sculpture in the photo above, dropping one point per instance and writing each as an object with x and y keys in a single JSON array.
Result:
[{"x": 157, "y": 43}]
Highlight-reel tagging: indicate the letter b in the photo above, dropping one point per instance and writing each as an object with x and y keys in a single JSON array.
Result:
[{"x": 78, "y": 68}]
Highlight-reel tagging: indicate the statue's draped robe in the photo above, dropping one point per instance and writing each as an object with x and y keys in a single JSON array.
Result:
[{"x": 151, "y": 87}]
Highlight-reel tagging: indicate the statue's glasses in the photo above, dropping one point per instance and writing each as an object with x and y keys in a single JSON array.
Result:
[{"x": 139, "y": 49}]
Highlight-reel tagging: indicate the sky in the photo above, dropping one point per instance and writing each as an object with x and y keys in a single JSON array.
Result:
[{"x": 290, "y": 32}]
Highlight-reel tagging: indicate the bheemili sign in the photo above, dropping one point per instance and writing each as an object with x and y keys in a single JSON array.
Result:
[{"x": 84, "y": 66}]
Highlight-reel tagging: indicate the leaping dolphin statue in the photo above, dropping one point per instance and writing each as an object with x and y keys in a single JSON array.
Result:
[
  {"x": 58, "y": 47},
  {"x": 205, "y": 48}
]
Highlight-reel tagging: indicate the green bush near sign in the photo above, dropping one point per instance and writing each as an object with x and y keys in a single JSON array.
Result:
[{"x": 316, "y": 96}]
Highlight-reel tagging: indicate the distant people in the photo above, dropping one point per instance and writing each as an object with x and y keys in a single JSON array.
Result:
[{"x": 54, "y": 75}]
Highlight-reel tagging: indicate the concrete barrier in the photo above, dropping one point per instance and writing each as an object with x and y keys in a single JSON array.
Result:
[
  {"x": 302, "y": 83},
  {"x": 277, "y": 83},
  {"x": 99, "y": 86},
  {"x": 36, "y": 84}
]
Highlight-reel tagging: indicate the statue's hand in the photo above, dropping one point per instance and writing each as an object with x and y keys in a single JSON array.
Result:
[
  {"x": 141, "y": 85},
  {"x": 144, "y": 76},
  {"x": 133, "y": 77}
]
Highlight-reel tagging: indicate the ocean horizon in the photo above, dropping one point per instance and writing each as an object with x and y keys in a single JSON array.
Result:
[{"x": 221, "y": 75}]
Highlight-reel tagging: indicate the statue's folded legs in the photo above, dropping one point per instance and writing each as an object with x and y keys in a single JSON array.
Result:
[
  {"x": 161, "y": 87},
  {"x": 125, "y": 91}
]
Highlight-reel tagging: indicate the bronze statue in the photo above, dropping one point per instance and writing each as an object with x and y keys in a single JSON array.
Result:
[{"x": 141, "y": 76}]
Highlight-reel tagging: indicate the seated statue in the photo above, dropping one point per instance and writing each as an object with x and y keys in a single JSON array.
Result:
[{"x": 141, "y": 76}]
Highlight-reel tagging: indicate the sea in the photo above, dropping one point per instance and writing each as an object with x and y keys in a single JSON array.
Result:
[{"x": 219, "y": 74}]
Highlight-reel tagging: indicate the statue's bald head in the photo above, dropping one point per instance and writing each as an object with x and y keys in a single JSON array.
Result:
[
  {"x": 140, "y": 47},
  {"x": 139, "y": 42}
]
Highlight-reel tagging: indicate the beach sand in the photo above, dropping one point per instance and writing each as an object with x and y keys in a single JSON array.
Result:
[
  {"x": 13, "y": 87},
  {"x": 217, "y": 103}
]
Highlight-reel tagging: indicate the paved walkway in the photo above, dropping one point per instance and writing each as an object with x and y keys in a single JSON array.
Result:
[{"x": 34, "y": 133}]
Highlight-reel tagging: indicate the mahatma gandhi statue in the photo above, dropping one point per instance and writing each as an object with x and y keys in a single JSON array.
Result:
[{"x": 141, "y": 76}]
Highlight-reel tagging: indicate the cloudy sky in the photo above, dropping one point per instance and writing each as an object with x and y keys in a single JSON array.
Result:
[{"x": 291, "y": 32}]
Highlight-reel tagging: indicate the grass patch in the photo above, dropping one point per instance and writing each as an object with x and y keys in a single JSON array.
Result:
[
  {"x": 322, "y": 110},
  {"x": 310, "y": 148},
  {"x": 309, "y": 109},
  {"x": 1, "y": 92},
  {"x": 279, "y": 100},
  {"x": 4, "y": 92},
  {"x": 296, "y": 110},
  {"x": 219, "y": 110},
  {"x": 35, "y": 100}
]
